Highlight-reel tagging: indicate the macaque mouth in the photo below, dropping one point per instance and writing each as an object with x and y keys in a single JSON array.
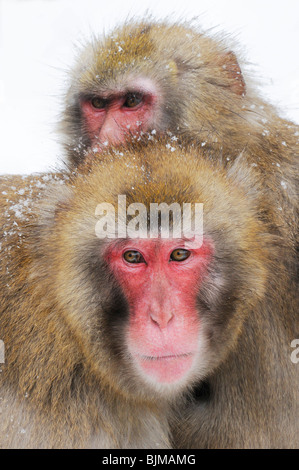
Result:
[
  {"x": 166, "y": 357},
  {"x": 167, "y": 369}
]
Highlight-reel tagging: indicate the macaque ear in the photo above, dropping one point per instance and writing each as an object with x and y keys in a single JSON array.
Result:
[{"x": 230, "y": 65}]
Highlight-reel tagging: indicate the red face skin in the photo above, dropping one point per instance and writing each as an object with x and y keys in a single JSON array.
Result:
[
  {"x": 164, "y": 324},
  {"x": 115, "y": 121}
]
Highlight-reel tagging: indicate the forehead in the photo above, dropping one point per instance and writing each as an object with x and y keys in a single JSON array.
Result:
[{"x": 122, "y": 49}]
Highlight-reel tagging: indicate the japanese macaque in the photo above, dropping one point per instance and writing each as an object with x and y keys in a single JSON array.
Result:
[
  {"x": 106, "y": 334},
  {"x": 168, "y": 77},
  {"x": 157, "y": 77}
]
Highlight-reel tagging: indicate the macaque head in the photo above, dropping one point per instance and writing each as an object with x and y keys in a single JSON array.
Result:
[
  {"x": 155, "y": 311},
  {"x": 149, "y": 78}
]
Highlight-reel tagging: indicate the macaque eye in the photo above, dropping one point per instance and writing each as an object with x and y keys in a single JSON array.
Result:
[
  {"x": 179, "y": 255},
  {"x": 132, "y": 100},
  {"x": 98, "y": 103},
  {"x": 133, "y": 256}
]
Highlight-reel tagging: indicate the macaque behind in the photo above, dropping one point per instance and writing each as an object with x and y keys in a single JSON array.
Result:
[{"x": 158, "y": 76}]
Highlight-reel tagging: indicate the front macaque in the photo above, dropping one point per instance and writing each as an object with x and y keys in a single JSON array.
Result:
[{"x": 105, "y": 334}]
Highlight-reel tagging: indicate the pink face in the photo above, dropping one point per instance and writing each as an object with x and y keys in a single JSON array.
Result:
[
  {"x": 112, "y": 117},
  {"x": 160, "y": 279}
]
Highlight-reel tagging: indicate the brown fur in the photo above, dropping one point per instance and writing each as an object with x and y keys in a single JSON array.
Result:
[{"x": 66, "y": 381}]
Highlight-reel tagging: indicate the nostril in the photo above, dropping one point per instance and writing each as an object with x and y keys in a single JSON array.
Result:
[
  {"x": 154, "y": 321},
  {"x": 161, "y": 320}
]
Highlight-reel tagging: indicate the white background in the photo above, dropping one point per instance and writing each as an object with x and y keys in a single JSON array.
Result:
[{"x": 37, "y": 45}]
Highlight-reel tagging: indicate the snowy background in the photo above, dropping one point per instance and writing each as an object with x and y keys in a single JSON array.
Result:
[{"x": 37, "y": 45}]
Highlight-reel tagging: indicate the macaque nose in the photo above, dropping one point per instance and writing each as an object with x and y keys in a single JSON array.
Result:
[
  {"x": 111, "y": 132},
  {"x": 161, "y": 318}
]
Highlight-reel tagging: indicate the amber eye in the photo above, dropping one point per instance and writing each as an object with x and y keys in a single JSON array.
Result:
[
  {"x": 132, "y": 100},
  {"x": 133, "y": 256},
  {"x": 98, "y": 103},
  {"x": 179, "y": 255}
]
